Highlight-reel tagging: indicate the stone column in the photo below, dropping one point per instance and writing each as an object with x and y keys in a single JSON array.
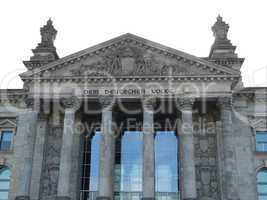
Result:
[
  {"x": 186, "y": 136},
  {"x": 38, "y": 157},
  {"x": 107, "y": 152},
  {"x": 229, "y": 172},
  {"x": 24, "y": 148},
  {"x": 148, "y": 151},
  {"x": 64, "y": 183}
]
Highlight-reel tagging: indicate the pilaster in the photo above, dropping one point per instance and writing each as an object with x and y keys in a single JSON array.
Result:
[{"x": 229, "y": 170}]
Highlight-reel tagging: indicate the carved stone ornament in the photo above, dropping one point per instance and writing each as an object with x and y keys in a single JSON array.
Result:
[
  {"x": 32, "y": 103},
  {"x": 225, "y": 103},
  {"x": 50, "y": 172},
  {"x": 71, "y": 102},
  {"x": 106, "y": 102},
  {"x": 29, "y": 102},
  {"x": 258, "y": 123},
  {"x": 185, "y": 103},
  {"x": 133, "y": 61},
  {"x": 149, "y": 103}
]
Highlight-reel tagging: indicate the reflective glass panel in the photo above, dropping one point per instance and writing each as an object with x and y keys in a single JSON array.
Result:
[
  {"x": 90, "y": 166},
  {"x": 262, "y": 184},
  {"x": 4, "y": 183},
  {"x": 261, "y": 141},
  {"x": 131, "y": 161},
  {"x": 6, "y": 140},
  {"x": 95, "y": 155},
  {"x": 166, "y": 165}
]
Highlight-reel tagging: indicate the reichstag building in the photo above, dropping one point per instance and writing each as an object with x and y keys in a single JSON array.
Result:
[{"x": 131, "y": 119}]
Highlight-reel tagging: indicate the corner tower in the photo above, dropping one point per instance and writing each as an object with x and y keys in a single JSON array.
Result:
[
  {"x": 45, "y": 51},
  {"x": 222, "y": 51}
]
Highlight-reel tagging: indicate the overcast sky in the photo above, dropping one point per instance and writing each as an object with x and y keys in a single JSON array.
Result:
[{"x": 183, "y": 25}]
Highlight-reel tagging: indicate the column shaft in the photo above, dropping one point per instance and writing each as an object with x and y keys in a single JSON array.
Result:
[
  {"x": 187, "y": 151},
  {"x": 107, "y": 157},
  {"x": 149, "y": 156},
  {"x": 64, "y": 183}
]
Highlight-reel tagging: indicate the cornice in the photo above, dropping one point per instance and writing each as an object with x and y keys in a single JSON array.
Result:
[
  {"x": 12, "y": 96},
  {"x": 101, "y": 79}
]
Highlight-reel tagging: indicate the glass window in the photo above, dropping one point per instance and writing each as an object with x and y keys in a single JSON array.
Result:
[
  {"x": 261, "y": 141},
  {"x": 4, "y": 183},
  {"x": 90, "y": 167},
  {"x": 129, "y": 166},
  {"x": 262, "y": 184},
  {"x": 6, "y": 140},
  {"x": 166, "y": 165}
]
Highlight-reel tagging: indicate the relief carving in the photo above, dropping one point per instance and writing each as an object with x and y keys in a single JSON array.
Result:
[
  {"x": 206, "y": 165},
  {"x": 133, "y": 61},
  {"x": 50, "y": 173},
  {"x": 206, "y": 168}
]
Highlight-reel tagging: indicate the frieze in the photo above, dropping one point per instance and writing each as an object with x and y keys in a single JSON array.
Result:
[{"x": 133, "y": 61}]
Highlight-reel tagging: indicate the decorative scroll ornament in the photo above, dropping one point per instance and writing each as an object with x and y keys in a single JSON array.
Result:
[
  {"x": 106, "y": 102},
  {"x": 149, "y": 103},
  {"x": 71, "y": 102},
  {"x": 32, "y": 103},
  {"x": 29, "y": 102},
  {"x": 185, "y": 103}
]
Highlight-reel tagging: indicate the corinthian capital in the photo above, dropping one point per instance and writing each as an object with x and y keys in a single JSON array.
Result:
[
  {"x": 106, "y": 102},
  {"x": 32, "y": 103},
  {"x": 71, "y": 102},
  {"x": 185, "y": 103},
  {"x": 149, "y": 103}
]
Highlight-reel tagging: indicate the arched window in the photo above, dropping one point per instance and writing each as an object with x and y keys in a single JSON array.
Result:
[
  {"x": 5, "y": 174},
  {"x": 166, "y": 165},
  {"x": 129, "y": 166},
  {"x": 90, "y": 167},
  {"x": 262, "y": 184}
]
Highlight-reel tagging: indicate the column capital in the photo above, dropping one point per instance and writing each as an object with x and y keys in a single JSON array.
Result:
[
  {"x": 225, "y": 102},
  {"x": 185, "y": 103},
  {"x": 106, "y": 102},
  {"x": 71, "y": 102},
  {"x": 32, "y": 103},
  {"x": 149, "y": 103}
]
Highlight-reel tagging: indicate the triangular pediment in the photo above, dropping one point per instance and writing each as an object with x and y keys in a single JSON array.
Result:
[
  {"x": 130, "y": 55},
  {"x": 6, "y": 123}
]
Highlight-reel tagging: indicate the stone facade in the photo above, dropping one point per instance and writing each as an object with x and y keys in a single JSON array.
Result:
[{"x": 218, "y": 158}]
